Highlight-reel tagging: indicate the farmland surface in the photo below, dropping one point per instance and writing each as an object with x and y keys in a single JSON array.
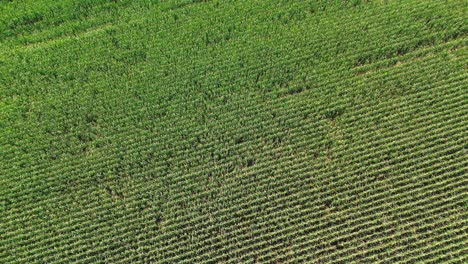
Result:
[{"x": 239, "y": 131}]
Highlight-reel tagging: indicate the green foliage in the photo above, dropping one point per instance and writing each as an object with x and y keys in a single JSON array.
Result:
[{"x": 181, "y": 131}]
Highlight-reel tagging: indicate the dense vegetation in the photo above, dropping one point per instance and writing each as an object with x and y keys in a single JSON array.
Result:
[{"x": 233, "y": 131}]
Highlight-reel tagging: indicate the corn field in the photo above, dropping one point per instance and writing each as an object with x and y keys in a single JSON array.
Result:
[{"x": 243, "y": 131}]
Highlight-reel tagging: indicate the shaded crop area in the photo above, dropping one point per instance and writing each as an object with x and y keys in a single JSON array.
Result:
[{"x": 233, "y": 131}]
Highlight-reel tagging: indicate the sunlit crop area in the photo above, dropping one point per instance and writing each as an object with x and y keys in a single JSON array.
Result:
[{"x": 233, "y": 131}]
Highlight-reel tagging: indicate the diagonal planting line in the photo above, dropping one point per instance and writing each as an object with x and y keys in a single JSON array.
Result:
[
  {"x": 375, "y": 201},
  {"x": 432, "y": 150},
  {"x": 102, "y": 156},
  {"x": 109, "y": 146},
  {"x": 294, "y": 58},
  {"x": 362, "y": 221},
  {"x": 306, "y": 234}
]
